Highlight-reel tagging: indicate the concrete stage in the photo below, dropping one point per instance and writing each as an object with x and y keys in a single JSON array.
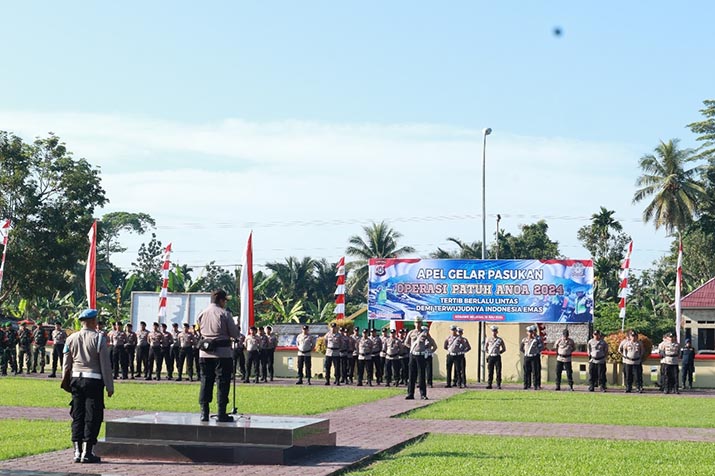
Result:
[{"x": 181, "y": 437}]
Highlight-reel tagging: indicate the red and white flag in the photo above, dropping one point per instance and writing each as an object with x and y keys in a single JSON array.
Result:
[
  {"x": 678, "y": 290},
  {"x": 166, "y": 263},
  {"x": 90, "y": 274},
  {"x": 247, "y": 314},
  {"x": 4, "y": 234},
  {"x": 340, "y": 290},
  {"x": 623, "y": 292}
]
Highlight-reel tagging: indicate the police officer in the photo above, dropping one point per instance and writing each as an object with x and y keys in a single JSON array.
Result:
[
  {"x": 383, "y": 357},
  {"x": 119, "y": 358},
  {"x": 404, "y": 358},
  {"x": 253, "y": 348},
  {"x": 186, "y": 352},
  {"x": 59, "y": 337},
  {"x": 344, "y": 352},
  {"x": 87, "y": 370},
  {"x": 3, "y": 350},
  {"x": 271, "y": 344},
  {"x": 130, "y": 348},
  {"x": 669, "y": 351},
  {"x": 155, "y": 357},
  {"x": 110, "y": 342},
  {"x": 167, "y": 341},
  {"x": 376, "y": 349},
  {"x": 305, "y": 343},
  {"x": 631, "y": 349},
  {"x": 463, "y": 348},
  {"x": 450, "y": 346},
  {"x": 197, "y": 338},
  {"x": 142, "y": 369},
  {"x": 687, "y": 363},
  {"x": 239, "y": 357},
  {"x": 332, "y": 353},
  {"x": 24, "y": 344},
  {"x": 418, "y": 341},
  {"x": 263, "y": 353},
  {"x": 365, "y": 358},
  {"x": 218, "y": 328},
  {"x": 531, "y": 346},
  {"x": 353, "y": 354},
  {"x": 494, "y": 347},
  {"x": 564, "y": 348},
  {"x": 393, "y": 345},
  {"x": 175, "y": 345},
  {"x": 11, "y": 349},
  {"x": 597, "y": 352}
]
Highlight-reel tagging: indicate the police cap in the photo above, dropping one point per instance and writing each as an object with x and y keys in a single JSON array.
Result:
[
  {"x": 494, "y": 328},
  {"x": 86, "y": 314},
  {"x": 453, "y": 328}
]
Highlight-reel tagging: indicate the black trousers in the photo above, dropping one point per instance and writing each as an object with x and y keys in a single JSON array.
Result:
[
  {"x": 38, "y": 355},
  {"x": 596, "y": 375},
  {"x": 330, "y": 361},
  {"x": 57, "y": 356},
  {"x": 392, "y": 370},
  {"x": 459, "y": 371},
  {"x": 196, "y": 362},
  {"x": 494, "y": 364},
  {"x": 175, "y": 350},
  {"x": 25, "y": 354},
  {"x": 670, "y": 382},
  {"x": 186, "y": 354},
  {"x": 263, "y": 359},
  {"x": 687, "y": 371},
  {"x": 166, "y": 355},
  {"x": 87, "y": 408},
  {"x": 362, "y": 366},
  {"x": 532, "y": 370},
  {"x": 305, "y": 361},
  {"x": 143, "y": 360},
  {"x": 211, "y": 369},
  {"x": 120, "y": 361},
  {"x": 633, "y": 373},
  {"x": 560, "y": 367},
  {"x": 253, "y": 364},
  {"x": 351, "y": 367},
  {"x": 450, "y": 369},
  {"x": 131, "y": 355},
  {"x": 378, "y": 364},
  {"x": 270, "y": 358},
  {"x": 344, "y": 368},
  {"x": 155, "y": 361},
  {"x": 239, "y": 362},
  {"x": 428, "y": 370},
  {"x": 405, "y": 369},
  {"x": 417, "y": 370}
]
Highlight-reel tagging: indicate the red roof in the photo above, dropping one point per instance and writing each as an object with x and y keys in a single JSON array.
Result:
[{"x": 703, "y": 297}]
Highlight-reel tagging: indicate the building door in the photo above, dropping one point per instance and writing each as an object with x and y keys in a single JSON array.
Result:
[{"x": 706, "y": 339}]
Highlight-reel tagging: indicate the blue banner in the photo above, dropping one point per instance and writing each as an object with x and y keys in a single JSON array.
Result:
[{"x": 481, "y": 290}]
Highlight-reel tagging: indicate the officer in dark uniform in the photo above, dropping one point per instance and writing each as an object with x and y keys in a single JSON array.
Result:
[
  {"x": 3, "y": 349},
  {"x": 86, "y": 373},
  {"x": 11, "y": 349},
  {"x": 687, "y": 363},
  {"x": 24, "y": 342},
  {"x": 215, "y": 354},
  {"x": 59, "y": 337}
]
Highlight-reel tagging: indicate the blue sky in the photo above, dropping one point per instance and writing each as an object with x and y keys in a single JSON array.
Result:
[{"x": 241, "y": 115}]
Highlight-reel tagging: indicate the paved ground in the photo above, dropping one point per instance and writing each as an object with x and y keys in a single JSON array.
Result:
[{"x": 362, "y": 431}]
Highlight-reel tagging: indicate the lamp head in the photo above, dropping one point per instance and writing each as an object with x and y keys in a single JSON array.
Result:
[{"x": 487, "y": 131}]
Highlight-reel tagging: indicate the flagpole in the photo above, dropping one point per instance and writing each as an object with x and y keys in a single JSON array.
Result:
[
  {"x": 623, "y": 293},
  {"x": 340, "y": 290},
  {"x": 247, "y": 312},
  {"x": 90, "y": 274},
  {"x": 166, "y": 257},
  {"x": 4, "y": 233},
  {"x": 678, "y": 288}
]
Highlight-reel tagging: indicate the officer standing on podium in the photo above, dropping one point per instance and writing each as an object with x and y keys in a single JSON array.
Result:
[
  {"x": 86, "y": 373},
  {"x": 215, "y": 354}
]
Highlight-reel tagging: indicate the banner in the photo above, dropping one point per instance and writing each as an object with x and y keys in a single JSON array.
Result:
[{"x": 481, "y": 290}]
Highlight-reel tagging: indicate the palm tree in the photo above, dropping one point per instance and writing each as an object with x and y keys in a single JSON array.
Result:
[
  {"x": 295, "y": 277},
  {"x": 675, "y": 189},
  {"x": 380, "y": 241},
  {"x": 603, "y": 223}
]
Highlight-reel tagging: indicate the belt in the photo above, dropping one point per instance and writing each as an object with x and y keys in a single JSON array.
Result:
[
  {"x": 534, "y": 355},
  {"x": 91, "y": 375},
  {"x": 418, "y": 353},
  {"x": 494, "y": 355},
  {"x": 565, "y": 355},
  {"x": 453, "y": 354}
]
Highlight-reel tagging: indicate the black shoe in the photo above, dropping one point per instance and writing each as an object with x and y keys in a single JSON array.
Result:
[
  {"x": 299, "y": 382},
  {"x": 557, "y": 389},
  {"x": 327, "y": 382},
  {"x": 204, "y": 412},
  {"x": 590, "y": 389},
  {"x": 178, "y": 379},
  {"x": 87, "y": 455},
  {"x": 308, "y": 381},
  {"x": 489, "y": 387},
  {"x": 410, "y": 397},
  {"x": 224, "y": 418},
  {"x": 49, "y": 376},
  {"x": 498, "y": 387},
  {"x": 640, "y": 390},
  {"x": 424, "y": 397},
  {"x": 359, "y": 384},
  {"x": 77, "y": 451},
  {"x": 446, "y": 386}
]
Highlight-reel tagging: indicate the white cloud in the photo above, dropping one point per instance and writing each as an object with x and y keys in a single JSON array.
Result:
[{"x": 227, "y": 174}]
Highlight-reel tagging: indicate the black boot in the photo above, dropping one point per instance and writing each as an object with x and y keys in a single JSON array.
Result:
[
  {"x": 87, "y": 455},
  {"x": 204, "y": 412},
  {"x": 222, "y": 416},
  {"x": 308, "y": 381},
  {"x": 77, "y": 451}
]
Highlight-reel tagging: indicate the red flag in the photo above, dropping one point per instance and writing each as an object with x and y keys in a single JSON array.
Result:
[
  {"x": 247, "y": 312},
  {"x": 678, "y": 289},
  {"x": 90, "y": 274}
]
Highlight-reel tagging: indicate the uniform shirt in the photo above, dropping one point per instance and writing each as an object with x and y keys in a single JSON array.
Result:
[
  {"x": 376, "y": 345},
  {"x": 393, "y": 345},
  {"x": 166, "y": 339},
  {"x": 175, "y": 338},
  {"x": 332, "y": 344},
  {"x": 185, "y": 339},
  {"x": 12, "y": 338},
  {"x": 344, "y": 345},
  {"x": 383, "y": 345},
  {"x": 597, "y": 351},
  {"x": 87, "y": 351},
  {"x": 448, "y": 342},
  {"x": 59, "y": 337},
  {"x": 464, "y": 345},
  {"x": 240, "y": 342},
  {"x": 120, "y": 338},
  {"x": 365, "y": 348},
  {"x": 669, "y": 352},
  {"x": 143, "y": 338},
  {"x": 632, "y": 352},
  {"x": 3, "y": 339},
  {"x": 495, "y": 346},
  {"x": 531, "y": 347},
  {"x": 420, "y": 342},
  {"x": 687, "y": 355},
  {"x": 39, "y": 336},
  {"x": 305, "y": 344},
  {"x": 24, "y": 337},
  {"x": 253, "y": 343},
  {"x": 564, "y": 348},
  {"x": 271, "y": 341},
  {"x": 217, "y": 324},
  {"x": 354, "y": 338},
  {"x": 110, "y": 337},
  {"x": 131, "y": 339},
  {"x": 155, "y": 338}
]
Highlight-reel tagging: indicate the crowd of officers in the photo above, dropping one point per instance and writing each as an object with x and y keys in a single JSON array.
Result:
[{"x": 366, "y": 357}]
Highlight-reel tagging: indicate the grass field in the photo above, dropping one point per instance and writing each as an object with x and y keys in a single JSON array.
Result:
[
  {"x": 29, "y": 437},
  {"x": 573, "y": 407},
  {"x": 494, "y": 456},
  {"x": 256, "y": 399}
]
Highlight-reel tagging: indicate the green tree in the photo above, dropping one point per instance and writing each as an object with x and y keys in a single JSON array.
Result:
[
  {"x": 674, "y": 188},
  {"x": 50, "y": 197},
  {"x": 379, "y": 241},
  {"x": 112, "y": 224},
  {"x": 706, "y": 130},
  {"x": 294, "y": 277},
  {"x": 532, "y": 242},
  {"x": 147, "y": 267}
]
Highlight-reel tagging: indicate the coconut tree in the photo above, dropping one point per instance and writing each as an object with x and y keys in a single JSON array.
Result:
[
  {"x": 674, "y": 188},
  {"x": 379, "y": 241}
]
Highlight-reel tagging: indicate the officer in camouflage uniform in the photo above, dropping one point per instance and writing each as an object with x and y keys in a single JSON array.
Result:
[
  {"x": 3, "y": 348},
  {"x": 24, "y": 343},
  {"x": 332, "y": 353},
  {"x": 131, "y": 348},
  {"x": 11, "y": 348},
  {"x": 59, "y": 336},
  {"x": 39, "y": 341}
]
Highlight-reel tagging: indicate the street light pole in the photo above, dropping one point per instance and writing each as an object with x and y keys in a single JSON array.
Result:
[
  {"x": 496, "y": 250},
  {"x": 485, "y": 133}
]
